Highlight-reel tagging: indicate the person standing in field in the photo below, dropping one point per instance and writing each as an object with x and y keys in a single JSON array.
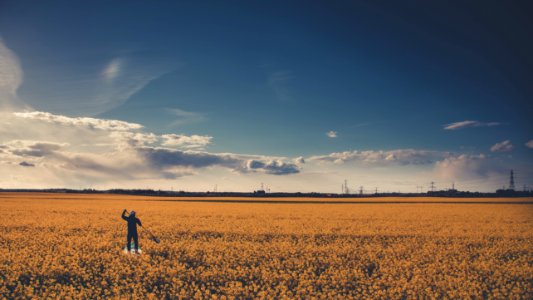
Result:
[{"x": 132, "y": 229}]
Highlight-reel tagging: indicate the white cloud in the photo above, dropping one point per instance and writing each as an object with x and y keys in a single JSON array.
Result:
[
  {"x": 112, "y": 70},
  {"x": 187, "y": 142},
  {"x": 90, "y": 123},
  {"x": 400, "y": 156},
  {"x": 332, "y": 134},
  {"x": 504, "y": 146},
  {"x": 468, "y": 123},
  {"x": 126, "y": 139},
  {"x": 97, "y": 151},
  {"x": 530, "y": 144},
  {"x": 467, "y": 167}
]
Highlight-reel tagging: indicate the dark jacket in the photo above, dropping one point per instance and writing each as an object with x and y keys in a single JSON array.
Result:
[{"x": 132, "y": 223}]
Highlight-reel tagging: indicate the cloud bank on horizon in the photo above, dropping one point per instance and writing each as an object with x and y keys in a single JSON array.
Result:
[
  {"x": 133, "y": 115},
  {"x": 75, "y": 151}
]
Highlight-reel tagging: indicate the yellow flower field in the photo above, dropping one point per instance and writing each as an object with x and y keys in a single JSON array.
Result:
[{"x": 70, "y": 246}]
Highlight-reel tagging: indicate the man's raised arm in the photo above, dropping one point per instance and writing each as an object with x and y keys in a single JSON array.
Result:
[{"x": 124, "y": 215}]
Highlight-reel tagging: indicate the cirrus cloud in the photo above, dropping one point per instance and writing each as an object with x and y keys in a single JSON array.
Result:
[
  {"x": 112, "y": 70},
  {"x": 10, "y": 79},
  {"x": 469, "y": 123},
  {"x": 504, "y": 146}
]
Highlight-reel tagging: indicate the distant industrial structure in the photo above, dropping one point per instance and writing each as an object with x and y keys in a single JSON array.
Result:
[
  {"x": 511, "y": 181},
  {"x": 346, "y": 192},
  {"x": 432, "y": 190},
  {"x": 511, "y": 190}
]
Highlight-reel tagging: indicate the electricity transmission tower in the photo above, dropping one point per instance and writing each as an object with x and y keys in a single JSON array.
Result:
[{"x": 511, "y": 181}]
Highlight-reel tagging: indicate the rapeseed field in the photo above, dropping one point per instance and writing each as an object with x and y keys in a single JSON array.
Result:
[{"x": 70, "y": 247}]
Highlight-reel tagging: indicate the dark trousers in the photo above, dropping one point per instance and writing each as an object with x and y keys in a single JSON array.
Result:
[{"x": 135, "y": 238}]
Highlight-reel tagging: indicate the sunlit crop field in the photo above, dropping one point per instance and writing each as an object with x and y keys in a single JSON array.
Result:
[{"x": 70, "y": 246}]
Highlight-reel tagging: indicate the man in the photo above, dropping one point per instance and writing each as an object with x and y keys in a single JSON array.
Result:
[{"x": 132, "y": 229}]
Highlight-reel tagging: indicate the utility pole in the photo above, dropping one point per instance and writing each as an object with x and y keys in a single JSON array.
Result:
[
  {"x": 432, "y": 186},
  {"x": 511, "y": 181},
  {"x": 361, "y": 190}
]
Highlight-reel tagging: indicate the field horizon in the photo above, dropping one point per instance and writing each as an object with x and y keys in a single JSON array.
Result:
[{"x": 274, "y": 200}]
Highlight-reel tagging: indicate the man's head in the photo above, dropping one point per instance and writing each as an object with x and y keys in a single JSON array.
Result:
[{"x": 132, "y": 213}]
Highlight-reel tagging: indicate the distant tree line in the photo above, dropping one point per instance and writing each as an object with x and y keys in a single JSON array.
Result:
[{"x": 261, "y": 193}]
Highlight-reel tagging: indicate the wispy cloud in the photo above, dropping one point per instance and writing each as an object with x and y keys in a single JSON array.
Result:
[
  {"x": 70, "y": 90},
  {"x": 468, "y": 123},
  {"x": 119, "y": 82},
  {"x": 331, "y": 134},
  {"x": 10, "y": 78},
  {"x": 185, "y": 117},
  {"x": 111, "y": 70},
  {"x": 504, "y": 146},
  {"x": 279, "y": 81},
  {"x": 530, "y": 144}
]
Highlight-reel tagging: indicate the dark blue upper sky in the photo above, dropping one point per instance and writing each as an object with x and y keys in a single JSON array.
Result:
[{"x": 275, "y": 77}]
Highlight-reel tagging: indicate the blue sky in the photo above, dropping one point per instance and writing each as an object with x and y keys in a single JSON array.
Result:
[{"x": 272, "y": 79}]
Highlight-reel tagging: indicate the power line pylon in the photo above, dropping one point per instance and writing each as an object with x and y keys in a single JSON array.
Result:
[{"x": 511, "y": 181}]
